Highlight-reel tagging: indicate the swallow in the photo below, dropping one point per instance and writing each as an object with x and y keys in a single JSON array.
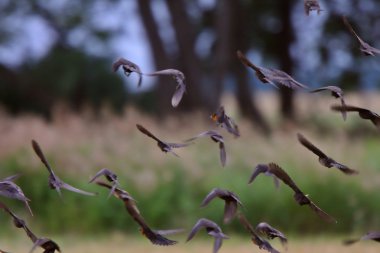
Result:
[
  {"x": 323, "y": 158},
  {"x": 261, "y": 243},
  {"x": 212, "y": 229},
  {"x": 216, "y": 137},
  {"x": 221, "y": 119},
  {"x": 274, "y": 77},
  {"x": 270, "y": 232},
  {"x": 130, "y": 205},
  {"x": 373, "y": 235},
  {"x": 110, "y": 176},
  {"x": 263, "y": 168},
  {"x": 363, "y": 113},
  {"x": 54, "y": 181},
  {"x": 11, "y": 190},
  {"x": 365, "y": 48},
  {"x": 164, "y": 146},
  {"x": 336, "y": 92},
  {"x": 311, "y": 5},
  {"x": 231, "y": 202},
  {"x": 179, "y": 77},
  {"x": 128, "y": 68}
]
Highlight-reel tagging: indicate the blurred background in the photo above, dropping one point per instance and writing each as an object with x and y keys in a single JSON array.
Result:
[{"x": 57, "y": 86}]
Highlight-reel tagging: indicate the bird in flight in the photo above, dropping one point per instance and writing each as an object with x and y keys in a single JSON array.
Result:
[
  {"x": 364, "y": 46},
  {"x": 130, "y": 204},
  {"x": 323, "y": 158},
  {"x": 336, "y": 92},
  {"x": 270, "y": 232},
  {"x": 110, "y": 176},
  {"x": 179, "y": 77},
  {"x": 128, "y": 68},
  {"x": 11, "y": 190},
  {"x": 231, "y": 202},
  {"x": 221, "y": 119},
  {"x": 263, "y": 168},
  {"x": 164, "y": 146},
  {"x": 311, "y": 5},
  {"x": 373, "y": 235},
  {"x": 54, "y": 181},
  {"x": 216, "y": 137},
  {"x": 212, "y": 229},
  {"x": 274, "y": 77},
  {"x": 363, "y": 113}
]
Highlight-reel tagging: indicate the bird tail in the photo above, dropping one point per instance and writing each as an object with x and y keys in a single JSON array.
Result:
[{"x": 156, "y": 238}]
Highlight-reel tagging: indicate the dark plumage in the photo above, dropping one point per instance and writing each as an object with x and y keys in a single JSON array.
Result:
[
  {"x": 54, "y": 181},
  {"x": 231, "y": 202},
  {"x": 270, "y": 232},
  {"x": 373, "y": 235},
  {"x": 323, "y": 158},
  {"x": 128, "y": 68},
  {"x": 11, "y": 190},
  {"x": 110, "y": 176},
  {"x": 130, "y": 205},
  {"x": 221, "y": 119},
  {"x": 164, "y": 146},
  {"x": 311, "y": 5},
  {"x": 336, "y": 92},
  {"x": 363, "y": 113},
  {"x": 263, "y": 168},
  {"x": 212, "y": 229}
]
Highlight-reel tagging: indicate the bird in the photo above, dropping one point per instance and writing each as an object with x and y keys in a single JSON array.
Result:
[
  {"x": 363, "y": 113},
  {"x": 110, "y": 176},
  {"x": 54, "y": 181},
  {"x": 263, "y": 168},
  {"x": 216, "y": 137},
  {"x": 164, "y": 146},
  {"x": 336, "y": 92},
  {"x": 221, "y": 119},
  {"x": 231, "y": 202},
  {"x": 212, "y": 229},
  {"x": 128, "y": 68},
  {"x": 311, "y": 5},
  {"x": 274, "y": 77},
  {"x": 323, "y": 158},
  {"x": 11, "y": 190},
  {"x": 373, "y": 235},
  {"x": 261, "y": 243},
  {"x": 48, "y": 245},
  {"x": 130, "y": 204},
  {"x": 179, "y": 77},
  {"x": 365, "y": 48},
  {"x": 2, "y": 251},
  {"x": 270, "y": 232}
]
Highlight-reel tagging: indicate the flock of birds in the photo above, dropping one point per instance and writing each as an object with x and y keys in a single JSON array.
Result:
[{"x": 233, "y": 204}]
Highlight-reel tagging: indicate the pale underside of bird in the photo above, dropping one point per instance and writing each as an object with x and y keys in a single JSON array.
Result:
[
  {"x": 364, "y": 46},
  {"x": 363, "y": 113},
  {"x": 110, "y": 176},
  {"x": 128, "y": 68},
  {"x": 373, "y": 235},
  {"x": 336, "y": 92},
  {"x": 54, "y": 181},
  {"x": 323, "y": 158},
  {"x": 231, "y": 202},
  {"x": 179, "y": 77},
  {"x": 274, "y": 77},
  {"x": 226, "y": 122},
  {"x": 311, "y": 5},
  {"x": 263, "y": 168},
  {"x": 212, "y": 229},
  {"x": 271, "y": 233},
  {"x": 11, "y": 190}
]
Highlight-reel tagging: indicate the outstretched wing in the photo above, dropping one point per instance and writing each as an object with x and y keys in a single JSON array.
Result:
[
  {"x": 325, "y": 216},
  {"x": 42, "y": 157},
  {"x": 216, "y": 192},
  {"x": 310, "y": 146},
  {"x": 146, "y": 132},
  {"x": 283, "y": 176},
  {"x": 344, "y": 168},
  {"x": 260, "y": 168},
  {"x": 73, "y": 189}
]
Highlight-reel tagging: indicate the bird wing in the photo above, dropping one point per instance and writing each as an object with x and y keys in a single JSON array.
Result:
[
  {"x": 373, "y": 235},
  {"x": 178, "y": 94},
  {"x": 230, "y": 209},
  {"x": 344, "y": 168},
  {"x": 325, "y": 216},
  {"x": 217, "y": 244},
  {"x": 352, "y": 31},
  {"x": 216, "y": 192},
  {"x": 42, "y": 157},
  {"x": 106, "y": 172},
  {"x": 73, "y": 189},
  {"x": 222, "y": 153},
  {"x": 306, "y": 143},
  {"x": 283, "y": 176},
  {"x": 146, "y": 132},
  {"x": 260, "y": 168}
]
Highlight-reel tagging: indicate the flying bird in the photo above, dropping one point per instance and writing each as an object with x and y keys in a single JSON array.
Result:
[
  {"x": 11, "y": 190},
  {"x": 216, "y": 137},
  {"x": 274, "y": 77},
  {"x": 128, "y": 68},
  {"x": 311, "y": 5},
  {"x": 110, "y": 176},
  {"x": 212, "y": 229},
  {"x": 221, "y": 119},
  {"x": 263, "y": 168},
  {"x": 364, "y": 46},
  {"x": 270, "y": 232},
  {"x": 54, "y": 181},
  {"x": 130, "y": 204},
  {"x": 363, "y": 113},
  {"x": 373, "y": 235},
  {"x": 164, "y": 146},
  {"x": 336, "y": 92},
  {"x": 179, "y": 77},
  {"x": 261, "y": 243},
  {"x": 323, "y": 158},
  {"x": 231, "y": 202}
]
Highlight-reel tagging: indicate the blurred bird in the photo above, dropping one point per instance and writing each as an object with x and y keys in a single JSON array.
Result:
[
  {"x": 364, "y": 46},
  {"x": 373, "y": 235},
  {"x": 212, "y": 229},
  {"x": 54, "y": 181},
  {"x": 11, "y": 190},
  {"x": 179, "y": 77},
  {"x": 336, "y": 92},
  {"x": 221, "y": 119},
  {"x": 363, "y": 113},
  {"x": 263, "y": 168},
  {"x": 164, "y": 146},
  {"x": 130, "y": 205},
  {"x": 274, "y": 77},
  {"x": 231, "y": 201},
  {"x": 216, "y": 137},
  {"x": 311, "y": 5},
  {"x": 261, "y": 243},
  {"x": 2, "y": 251},
  {"x": 323, "y": 158},
  {"x": 128, "y": 68},
  {"x": 270, "y": 232},
  {"x": 110, "y": 176}
]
